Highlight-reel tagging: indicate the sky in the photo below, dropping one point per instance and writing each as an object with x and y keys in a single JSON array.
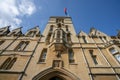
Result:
[{"x": 104, "y": 15}]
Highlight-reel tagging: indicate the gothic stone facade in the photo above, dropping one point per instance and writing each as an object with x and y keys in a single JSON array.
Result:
[{"x": 58, "y": 53}]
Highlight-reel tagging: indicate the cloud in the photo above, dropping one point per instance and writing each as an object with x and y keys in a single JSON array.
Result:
[
  {"x": 12, "y": 11},
  {"x": 27, "y": 7}
]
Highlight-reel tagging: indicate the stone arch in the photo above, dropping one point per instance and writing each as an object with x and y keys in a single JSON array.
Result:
[{"x": 50, "y": 73}]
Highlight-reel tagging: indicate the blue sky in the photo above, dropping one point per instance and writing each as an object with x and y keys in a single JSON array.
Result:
[{"x": 104, "y": 15}]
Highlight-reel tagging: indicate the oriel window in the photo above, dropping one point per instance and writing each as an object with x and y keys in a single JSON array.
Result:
[
  {"x": 64, "y": 36},
  {"x": 58, "y": 36}
]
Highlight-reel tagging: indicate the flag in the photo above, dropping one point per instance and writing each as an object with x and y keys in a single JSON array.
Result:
[{"x": 65, "y": 11}]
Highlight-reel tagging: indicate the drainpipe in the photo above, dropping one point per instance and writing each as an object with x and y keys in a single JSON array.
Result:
[
  {"x": 86, "y": 61},
  {"x": 29, "y": 59}
]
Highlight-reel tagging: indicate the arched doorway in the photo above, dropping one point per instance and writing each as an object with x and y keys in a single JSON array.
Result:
[
  {"x": 55, "y": 74},
  {"x": 55, "y": 78}
]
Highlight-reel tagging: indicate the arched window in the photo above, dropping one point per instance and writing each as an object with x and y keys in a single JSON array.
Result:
[
  {"x": 8, "y": 63},
  {"x": 64, "y": 36},
  {"x": 71, "y": 56},
  {"x": 11, "y": 63},
  {"x": 22, "y": 45},
  {"x": 43, "y": 55}
]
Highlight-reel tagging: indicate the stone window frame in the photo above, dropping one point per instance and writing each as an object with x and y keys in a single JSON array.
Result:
[
  {"x": 71, "y": 56},
  {"x": 22, "y": 45},
  {"x": 94, "y": 57},
  {"x": 8, "y": 63},
  {"x": 115, "y": 53},
  {"x": 43, "y": 56},
  {"x": 48, "y": 38}
]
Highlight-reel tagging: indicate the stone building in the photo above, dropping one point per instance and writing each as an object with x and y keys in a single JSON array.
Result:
[{"x": 58, "y": 53}]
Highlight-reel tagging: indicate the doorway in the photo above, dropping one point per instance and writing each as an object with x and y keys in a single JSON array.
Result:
[{"x": 55, "y": 78}]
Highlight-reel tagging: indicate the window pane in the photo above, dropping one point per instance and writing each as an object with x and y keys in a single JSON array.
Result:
[
  {"x": 10, "y": 65},
  {"x": 113, "y": 51},
  {"x": 43, "y": 55},
  {"x": 117, "y": 56},
  {"x": 71, "y": 56},
  {"x": 95, "y": 59},
  {"x": 58, "y": 34},
  {"x": 4, "y": 65}
]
